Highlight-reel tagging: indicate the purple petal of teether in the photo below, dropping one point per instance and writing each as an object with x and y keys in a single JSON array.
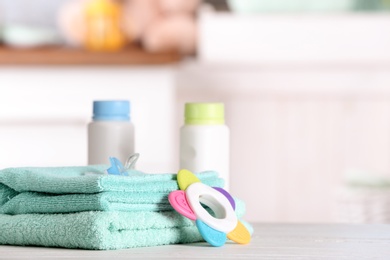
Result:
[{"x": 228, "y": 196}]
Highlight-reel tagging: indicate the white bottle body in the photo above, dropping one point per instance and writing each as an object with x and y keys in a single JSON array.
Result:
[
  {"x": 205, "y": 147},
  {"x": 110, "y": 139}
]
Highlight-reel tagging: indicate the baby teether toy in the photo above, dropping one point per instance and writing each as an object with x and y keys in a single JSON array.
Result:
[{"x": 214, "y": 229}]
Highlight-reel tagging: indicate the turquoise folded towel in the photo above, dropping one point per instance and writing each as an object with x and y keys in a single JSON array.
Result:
[
  {"x": 68, "y": 189},
  {"x": 100, "y": 230},
  {"x": 33, "y": 202},
  {"x": 88, "y": 179},
  {"x": 102, "y": 211}
]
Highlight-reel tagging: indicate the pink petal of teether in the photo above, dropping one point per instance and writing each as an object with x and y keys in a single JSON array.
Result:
[{"x": 179, "y": 202}]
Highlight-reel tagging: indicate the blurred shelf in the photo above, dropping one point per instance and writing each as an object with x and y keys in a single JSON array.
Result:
[
  {"x": 353, "y": 38},
  {"x": 132, "y": 55}
]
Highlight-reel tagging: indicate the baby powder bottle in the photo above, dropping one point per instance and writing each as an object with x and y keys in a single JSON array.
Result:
[
  {"x": 204, "y": 140},
  {"x": 111, "y": 133}
]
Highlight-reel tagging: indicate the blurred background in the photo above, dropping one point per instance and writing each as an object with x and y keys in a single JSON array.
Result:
[{"x": 306, "y": 86}]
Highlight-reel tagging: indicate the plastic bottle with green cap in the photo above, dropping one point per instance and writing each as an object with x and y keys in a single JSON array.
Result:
[
  {"x": 111, "y": 133},
  {"x": 204, "y": 139}
]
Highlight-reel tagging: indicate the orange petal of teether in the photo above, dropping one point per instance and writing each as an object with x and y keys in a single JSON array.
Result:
[
  {"x": 240, "y": 234},
  {"x": 185, "y": 178}
]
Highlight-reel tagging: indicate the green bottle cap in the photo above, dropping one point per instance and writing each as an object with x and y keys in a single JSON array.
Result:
[{"x": 204, "y": 114}]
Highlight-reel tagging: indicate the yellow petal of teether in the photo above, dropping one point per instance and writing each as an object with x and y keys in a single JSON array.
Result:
[
  {"x": 185, "y": 178},
  {"x": 240, "y": 234}
]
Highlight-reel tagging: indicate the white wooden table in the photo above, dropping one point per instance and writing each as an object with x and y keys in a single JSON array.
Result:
[{"x": 270, "y": 241}]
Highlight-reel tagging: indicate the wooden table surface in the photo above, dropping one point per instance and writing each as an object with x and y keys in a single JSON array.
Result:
[
  {"x": 270, "y": 241},
  {"x": 131, "y": 55}
]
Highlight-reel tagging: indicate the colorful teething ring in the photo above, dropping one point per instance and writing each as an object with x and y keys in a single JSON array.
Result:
[{"x": 214, "y": 229}]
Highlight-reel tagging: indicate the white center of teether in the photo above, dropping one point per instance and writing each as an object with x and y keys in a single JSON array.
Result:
[{"x": 226, "y": 219}]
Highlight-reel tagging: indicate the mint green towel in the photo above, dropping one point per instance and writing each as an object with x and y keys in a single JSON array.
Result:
[
  {"x": 76, "y": 189},
  {"x": 100, "y": 230},
  {"x": 34, "y": 202},
  {"x": 112, "y": 212},
  {"x": 87, "y": 179}
]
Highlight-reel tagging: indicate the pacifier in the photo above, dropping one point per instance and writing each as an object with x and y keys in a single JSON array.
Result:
[
  {"x": 117, "y": 167},
  {"x": 214, "y": 229}
]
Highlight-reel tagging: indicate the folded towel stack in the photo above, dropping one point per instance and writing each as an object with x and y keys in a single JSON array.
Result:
[{"x": 82, "y": 207}]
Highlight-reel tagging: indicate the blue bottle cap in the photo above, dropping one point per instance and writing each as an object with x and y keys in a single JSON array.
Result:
[{"x": 115, "y": 110}]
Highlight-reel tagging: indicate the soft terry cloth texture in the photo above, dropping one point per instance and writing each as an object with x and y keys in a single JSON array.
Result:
[
  {"x": 68, "y": 189},
  {"x": 100, "y": 230},
  {"x": 88, "y": 179},
  {"x": 108, "y": 212}
]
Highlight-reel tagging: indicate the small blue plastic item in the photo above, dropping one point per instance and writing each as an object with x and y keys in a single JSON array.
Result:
[
  {"x": 117, "y": 167},
  {"x": 114, "y": 110}
]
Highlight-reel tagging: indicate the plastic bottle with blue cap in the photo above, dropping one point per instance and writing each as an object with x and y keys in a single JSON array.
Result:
[{"x": 111, "y": 133}]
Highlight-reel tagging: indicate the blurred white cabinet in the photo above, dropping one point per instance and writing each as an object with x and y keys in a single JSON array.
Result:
[
  {"x": 296, "y": 131},
  {"x": 44, "y": 112}
]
